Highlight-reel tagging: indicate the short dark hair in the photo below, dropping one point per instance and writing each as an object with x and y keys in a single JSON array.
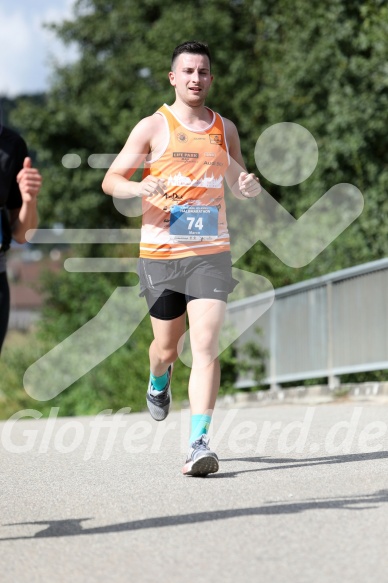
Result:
[{"x": 192, "y": 46}]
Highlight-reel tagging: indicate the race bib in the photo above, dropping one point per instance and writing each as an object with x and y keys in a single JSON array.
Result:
[{"x": 193, "y": 223}]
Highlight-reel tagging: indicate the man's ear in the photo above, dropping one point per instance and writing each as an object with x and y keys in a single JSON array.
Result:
[{"x": 171, "y": 76}]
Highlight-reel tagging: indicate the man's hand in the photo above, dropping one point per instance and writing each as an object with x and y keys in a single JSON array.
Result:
[
  {"x": 26, "y": 218},
  {"x": 151, "y": 186},
  {"x": 249, "y": 185},
  {"x": 29, "y": 180}
]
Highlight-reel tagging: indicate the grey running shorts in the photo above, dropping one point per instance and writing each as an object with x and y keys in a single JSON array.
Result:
[{"x": 169, "y": 284}]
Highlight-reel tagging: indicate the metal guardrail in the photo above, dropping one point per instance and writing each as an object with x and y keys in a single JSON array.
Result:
[{"x": 323, "y": 327}]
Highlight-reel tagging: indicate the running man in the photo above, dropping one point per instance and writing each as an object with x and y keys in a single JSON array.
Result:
[
  {"x": 185, "y": 262},
  {"x": 19, "y": 188}
]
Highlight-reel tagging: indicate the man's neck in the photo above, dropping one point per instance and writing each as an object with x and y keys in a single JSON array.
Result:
[{"x": 191, "y": 115}]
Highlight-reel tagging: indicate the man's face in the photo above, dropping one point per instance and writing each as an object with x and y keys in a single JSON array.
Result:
[{"x": 191, "y": 78}]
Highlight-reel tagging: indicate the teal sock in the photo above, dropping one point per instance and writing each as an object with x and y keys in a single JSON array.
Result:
[
  {"x": 199, "y": 426},
  {"x": 159, "y": 383}
]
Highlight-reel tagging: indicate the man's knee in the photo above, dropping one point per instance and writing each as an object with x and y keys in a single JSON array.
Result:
[
  {"x": 167, "y": 354},
  {"x": 204, "y": 340}
]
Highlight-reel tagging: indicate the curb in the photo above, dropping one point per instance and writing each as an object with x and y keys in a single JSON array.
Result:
[{"x": 314, "y": 395}]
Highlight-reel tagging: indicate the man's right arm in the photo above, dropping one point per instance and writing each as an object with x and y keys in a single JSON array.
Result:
[{"x": 139, "y": 144}]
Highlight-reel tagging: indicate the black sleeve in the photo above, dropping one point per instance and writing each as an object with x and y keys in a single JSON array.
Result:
[
  {"x": 15, "y": 198},
  {"x": 13, "y": 150}
]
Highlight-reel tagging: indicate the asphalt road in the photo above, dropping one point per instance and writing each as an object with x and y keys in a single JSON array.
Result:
[{"x": 301, "y": 496}]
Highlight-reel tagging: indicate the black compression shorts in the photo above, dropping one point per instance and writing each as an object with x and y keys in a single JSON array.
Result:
[{"x": 169, "y": 284}]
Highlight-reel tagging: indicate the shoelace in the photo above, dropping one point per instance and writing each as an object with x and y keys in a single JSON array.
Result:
[
  {"x": 200, "y": 443},
  {"x": 161, "y": 396}
]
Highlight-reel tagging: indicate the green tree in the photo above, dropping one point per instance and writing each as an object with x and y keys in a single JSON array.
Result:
[{"x": 324, "y": 66}]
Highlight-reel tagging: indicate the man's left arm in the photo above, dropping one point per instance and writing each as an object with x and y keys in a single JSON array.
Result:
[
  {"x": 241, "y": 183},
  {"x": 26, "y": 217}
]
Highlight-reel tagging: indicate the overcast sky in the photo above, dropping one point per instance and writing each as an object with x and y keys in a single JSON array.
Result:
[{"x": 27, "y": 48}]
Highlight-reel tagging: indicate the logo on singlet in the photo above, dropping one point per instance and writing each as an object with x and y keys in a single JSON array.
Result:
[
  {"x": 182, "y": 137},
  {"x": 213, "y": 163},
  {"x": 215, "y": 139},
  {"x": 186, "y": 156},
  {"x": 173, "y": 196}
]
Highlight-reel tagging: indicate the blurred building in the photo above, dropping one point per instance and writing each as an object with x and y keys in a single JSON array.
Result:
[{"x": 25, "y": 268}]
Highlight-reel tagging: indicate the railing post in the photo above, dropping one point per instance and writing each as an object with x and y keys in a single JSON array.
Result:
[
  {"x": 272, "y": 352},
  {"x": 333, "y": 381}
]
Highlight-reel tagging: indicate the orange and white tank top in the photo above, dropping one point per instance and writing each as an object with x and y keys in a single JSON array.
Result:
[{"x": 190, "y": 218}]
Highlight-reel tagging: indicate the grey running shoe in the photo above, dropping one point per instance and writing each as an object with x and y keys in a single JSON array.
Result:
[
  {"x": 201, "y": 461},
  {"x": 158, "y": 402}
]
